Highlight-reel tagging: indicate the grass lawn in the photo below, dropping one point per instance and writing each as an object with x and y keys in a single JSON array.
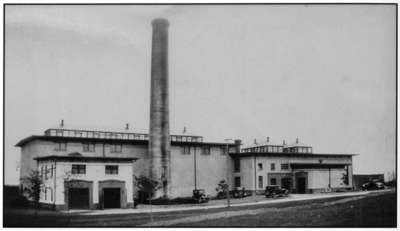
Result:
[{"x": 373, "y": 210}]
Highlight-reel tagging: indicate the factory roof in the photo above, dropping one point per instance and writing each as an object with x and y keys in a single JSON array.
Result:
[
  {"x": 286, "y": 154},
  {"x": 296, "y": 144},
  {"x": 268, "y": 143},
  {"x": 112, "y": 137},
  {"x": 77, "y": 158}
]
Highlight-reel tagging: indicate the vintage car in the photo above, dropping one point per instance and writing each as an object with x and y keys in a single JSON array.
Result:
[
  {"x": 239, "y": 192},
  {"x": 199, "y": 196},
  {"x": 276, "y": 191},
  {"x": 372, "y": 186}
]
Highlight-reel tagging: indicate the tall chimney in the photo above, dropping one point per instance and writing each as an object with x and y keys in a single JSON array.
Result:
[{"x": 159, "y": 140}]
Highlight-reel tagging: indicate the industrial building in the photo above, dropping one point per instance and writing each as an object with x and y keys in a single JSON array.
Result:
[{"x": 96, "y": 169}]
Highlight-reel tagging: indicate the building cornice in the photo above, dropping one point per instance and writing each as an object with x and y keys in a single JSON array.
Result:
[
  {"x": 285, "y": 154},
  {"x": 85, "y": 158},
  {"x": 26, "y": 140}
]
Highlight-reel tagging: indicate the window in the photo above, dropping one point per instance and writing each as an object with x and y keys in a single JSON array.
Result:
[
  {"x": 41, "y": 172},
  {"x": 260, "y": 182},
  {"x": 206, "y": 150},
  {"x": 236, "y": 165},
  {"x": 260, "y": 166},
  {"x": 117, "y": 148},
  {"x": 51, "y": 171},
  {"x": 279, "y": 149},
  {"x": 223, "y": 150},
  {"x": 88, "y": 147},
  {"x": 284, "y": 166},
  {"x": 164, "y": 171},
  {"x": 111, "y": 169},
  {"x": 45, "y": 172},
  {"x": 61, "y": 146},
  {"x": 237, "y": 181},
  {"x": 186, "y": 149},
  {"x": 273, "y": 166},
  {"x": 59, "y": 132},
  {"x": 273, "y": 181},
  {"x": 78, "y": 169}
]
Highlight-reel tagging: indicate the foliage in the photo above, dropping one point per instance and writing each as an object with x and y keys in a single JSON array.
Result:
[
  {"x": 222, "y": 186},
  {"x": 34, "y": 185},
  {"x": 147, "y": 185},
  {"x": 345, "y": 177}
]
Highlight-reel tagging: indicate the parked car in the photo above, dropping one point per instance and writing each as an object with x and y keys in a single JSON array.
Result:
[
  {"x": 239, "y": 192},
  {"x": 276, "y": 191},
  {"x": 372, "y": 186},
  {"x": 199, "y": 196}
]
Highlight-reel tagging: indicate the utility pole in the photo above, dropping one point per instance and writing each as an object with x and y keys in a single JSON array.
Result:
[{"x": 227, "y": 173}]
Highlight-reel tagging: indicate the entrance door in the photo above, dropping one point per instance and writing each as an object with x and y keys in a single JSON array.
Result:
[
  {"x": 287, "y": 183},
  {"x": 78, "y": 198},
  {"x": 301, "y": 185},
  {"x": 112, "y": 198}
]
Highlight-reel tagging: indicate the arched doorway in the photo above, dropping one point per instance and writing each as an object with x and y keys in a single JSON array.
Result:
[
  {"x": 112, "y": 194},
  {"x": 78, "y": 194},
  {"x": 301, "y": 179}
]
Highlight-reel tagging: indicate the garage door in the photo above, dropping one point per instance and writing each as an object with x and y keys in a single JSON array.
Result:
[
  {"x": 112, "y": 198},
  {"x": 78, "y": 198}
]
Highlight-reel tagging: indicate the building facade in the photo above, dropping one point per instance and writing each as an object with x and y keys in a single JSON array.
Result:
[
  {"x": 97, "y": 169},
  {"x": 293, "y": 166}
]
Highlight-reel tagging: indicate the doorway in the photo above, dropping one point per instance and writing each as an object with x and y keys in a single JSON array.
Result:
[
  {"x": 78, "y": 198},
  {"x": 112, "y": 198},
  {"x": 301, "y": 185},
  {"x": 287, "y": 183}
]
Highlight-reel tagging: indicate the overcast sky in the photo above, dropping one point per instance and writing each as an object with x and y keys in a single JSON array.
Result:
[{"x": 322, "y": 73}]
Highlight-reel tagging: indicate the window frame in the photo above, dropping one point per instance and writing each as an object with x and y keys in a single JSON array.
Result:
[
  {"x": 206, "y": 150},
  {"x": 260, "y": 166},
  {"x": 61, "y": 146},
  {"x": 87, "y": 147},
  {"x": 236, "y": 165},
  {"x": 286, "y": 166},
  {"x": 260, "y": 182},
  {"x": 80, "y": 169},
  {"x": 186, "y": 150},
  {"x": 111, "y": 169},
  {"x": 114, "y": 148},
  {"x": 45, "y": 172},
  {"x": 237, "y": 181}
]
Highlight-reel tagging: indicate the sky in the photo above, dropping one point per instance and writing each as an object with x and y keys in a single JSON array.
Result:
[{"x": 325, "y": 74}]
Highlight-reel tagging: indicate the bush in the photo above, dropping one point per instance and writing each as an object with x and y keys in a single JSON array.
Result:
[
  {"x": 166, "y": 201},
  {"x": 19, "y": 201}
]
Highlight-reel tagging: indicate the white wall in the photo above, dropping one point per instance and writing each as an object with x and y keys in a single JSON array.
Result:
[
  {"x": 211, "y": 169},
  {"x": 94, "y": 172}
]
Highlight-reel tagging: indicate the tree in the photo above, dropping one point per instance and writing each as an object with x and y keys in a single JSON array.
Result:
[
  {"x": 345, "y": 176},
  {"x": 148, "y": 187},
  {"x": 222, "y": 188},
  {"x": 33, "y": 186}
]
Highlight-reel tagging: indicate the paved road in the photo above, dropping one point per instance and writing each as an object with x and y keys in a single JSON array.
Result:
[{"x": 376, "y": 209}]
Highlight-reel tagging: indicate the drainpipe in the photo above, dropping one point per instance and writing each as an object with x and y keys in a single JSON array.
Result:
[
  {"x": 55, "y": 184},
  {"x": 195, "y": 169},
  {"x": 329, "y": 185},
  {"x": 255, "y": 176}
]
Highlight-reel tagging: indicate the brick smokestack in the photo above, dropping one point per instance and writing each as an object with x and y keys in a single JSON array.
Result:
[{"x": 159, "y": 140}]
